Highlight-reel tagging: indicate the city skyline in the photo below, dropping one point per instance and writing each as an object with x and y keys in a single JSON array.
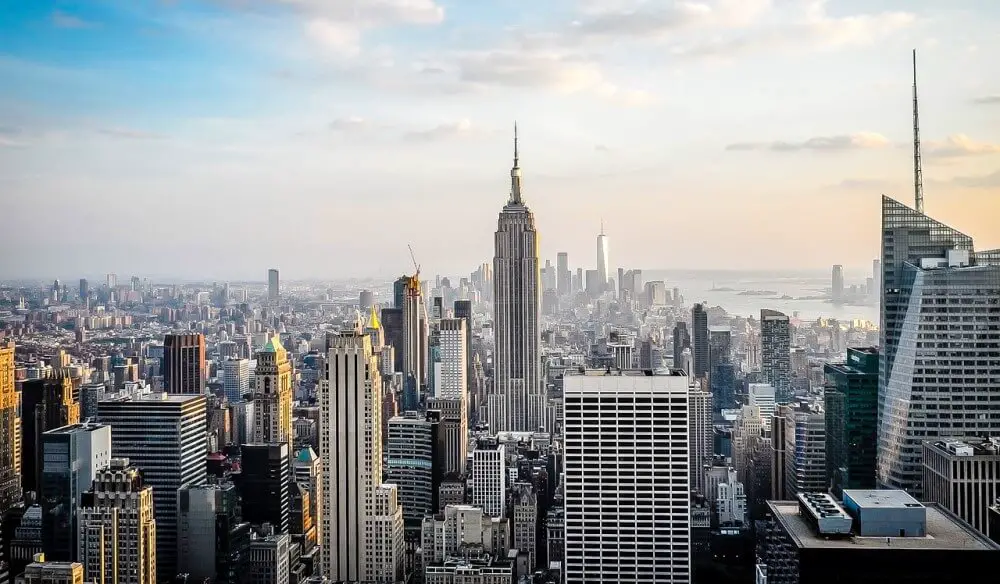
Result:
[{"x": 433, "y": 86}]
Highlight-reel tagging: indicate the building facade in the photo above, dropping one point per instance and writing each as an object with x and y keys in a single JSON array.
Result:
[
  {"x": 776, "y": 352},
  {"x": 272, "y": 394},
  {"x": 626, "y": 486},
  {"x": 184, "y": 369},
  {"x": 964, "y": 477},
  {"x": 850, "y": 398}
]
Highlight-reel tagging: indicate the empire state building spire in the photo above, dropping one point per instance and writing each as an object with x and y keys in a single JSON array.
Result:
[{"x": 515, "y": 175}]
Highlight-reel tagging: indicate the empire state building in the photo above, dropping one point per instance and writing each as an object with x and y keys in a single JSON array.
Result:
[{"x": 518, "y": 399}]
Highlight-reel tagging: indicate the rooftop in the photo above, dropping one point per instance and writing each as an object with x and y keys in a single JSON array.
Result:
[
  {"x": 945, "y": 531},
  {"x": 168, "y": 398},
  {"x": 965, "y": 447}
]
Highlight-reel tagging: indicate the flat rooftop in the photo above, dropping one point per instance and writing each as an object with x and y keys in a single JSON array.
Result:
[
  {"x": 604, "y": 372},
  {"x": 944, "y": 532},
  {"x": 881, "y": 499},
  {"x": 167, "y": 398},
  {"x": 950, "y": 447}
]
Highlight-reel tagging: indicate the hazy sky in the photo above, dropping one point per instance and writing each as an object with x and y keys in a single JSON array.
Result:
[{"x": 220, "y": 138}]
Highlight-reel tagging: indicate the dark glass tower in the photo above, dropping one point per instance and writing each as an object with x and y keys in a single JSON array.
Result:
[
  {"x": 265, "y": 485},
  {"x": 851, "y": 403},
  {"x": 682, "y": 340},
  {"x": 699, "y": 341}
]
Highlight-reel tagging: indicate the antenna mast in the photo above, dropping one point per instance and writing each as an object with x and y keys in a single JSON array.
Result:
[{"x": 918, "y": 173}]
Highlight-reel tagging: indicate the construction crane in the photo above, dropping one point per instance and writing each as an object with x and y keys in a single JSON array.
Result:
[
  {"x": 413, "y": 259},
  {"x": 414, "y": 285}
]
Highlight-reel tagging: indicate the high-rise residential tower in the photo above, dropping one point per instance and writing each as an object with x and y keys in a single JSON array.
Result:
[
  {"x": 603, "y": 269},
  {"x": 626, "y": 486},
  {"x": 938, "y": 341},
  {"x": 273, "y": 291},
  {"x": 519, "y": 405},
  {"x": 360, "y": 514},
  {"x": 184, "y": 369},
  {"x": 699, "y": 341},
  {"x": 776, "y": 352},
  {"x": 415, "y": 342},
  {"x": 117, "y": 537},
  {"x": 272, "y": 395},
  {"x": 564, "y": 278}
]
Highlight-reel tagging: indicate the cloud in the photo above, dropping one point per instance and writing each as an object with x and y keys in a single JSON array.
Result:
[
  {"x": 989, "y": 181},
  {"x": 61, "y": 19},
  {"x": 447, "y": 131},
  {"x": 343, "y": 39},
  {"x": 987, "y": 100},
  {"x": 861, "y": 184},
  {"x": 842, "y": 142},
  {"x": 956, "y": 146},
  {"x": 349, "y": 124},
  {"x": 128, "y": 134}
]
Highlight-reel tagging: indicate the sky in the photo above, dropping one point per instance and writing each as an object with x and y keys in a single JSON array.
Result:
[{"x": 219, "y": 138}]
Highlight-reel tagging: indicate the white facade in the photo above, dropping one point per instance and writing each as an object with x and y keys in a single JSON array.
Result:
[
  {"x": 443, "y": 535},
  {"x": 451, "y": 377},
  {"x": 489, "y": 479},
  {"x": 236, "y": 378},
  {"x": 603, "y": 269},
  {"x": 731, "y": 501},
  {"x": 762, "y": 395},
  {"x": 385, "y": 536},
  {"x": 626, "y": 485},
  {"x": 700, "y": 434},
  {"x": 351, "y": 454}
]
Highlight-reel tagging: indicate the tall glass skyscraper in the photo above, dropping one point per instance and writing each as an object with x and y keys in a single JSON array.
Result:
[
  {"x": 775, "y": 353},
  {"x": 940, "y": 343},
  {"x": 518, "y": 401}
]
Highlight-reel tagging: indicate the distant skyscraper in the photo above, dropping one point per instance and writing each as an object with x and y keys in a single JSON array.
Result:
[
  {"x": 392, "y": 326},
  {"x": 564, "y": 278},
  {"x": 273, "y": 289},
  {"x": 359, "y": 513},
  {"x": 877, "y": 278},
  {"x": 720, "y": 370},
  {"x": 617, "y": 419},
  {"x": 272, "y": 396},
  {"x": 84, "y": 289},
  {"x": 164, "y": 435},
  {"x": 938, "y": 341},
  {"x": 775, "y": 352},
  {"x": 184, "y": 369},
  {"x": 699, "y": 341},
  {"x": 236, "y": 378},
  {"x": 118, "y": 533},
  {"x": 682, "y": 340},
  {"x": 603, "y": 271},
  {"x": 700, "y": 435},
  {"x": 837, "y": 285},
  {"x": 365, "y": 301},
  {"x": 415, "y": 342},
  {"x": 516, "y": 311},
  {"x": 10, "y": 483}
]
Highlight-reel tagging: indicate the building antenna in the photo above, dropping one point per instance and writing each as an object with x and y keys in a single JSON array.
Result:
[{"x": 918, "y": 173}]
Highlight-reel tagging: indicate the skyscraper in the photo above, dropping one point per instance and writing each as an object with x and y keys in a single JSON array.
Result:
[
  {"x": 118, "y": 538},
  {"x": 489, "y": 478},
  {"x": 354, "y": 499},
  {"x": 264, "y": 482},
  {"x": 413, "y": 463},
  {"x": 236, "y": 378},
  {"x": 837, "y": 284},
  {"x": 626, "y": 521},
  {"x": 415, "y": 342},
  {"x": 564, "y": 278},
  {"x": 700, "y": 435},
  {"x": 938, "y": 341},
  {"x": 699, "y": 340},
  {"x": 10, "y": 484},
  {"x": 603, "y": 271},
  {"x": 84, "y": 289},
  {"x": 273, "y": 291},
  {"x": 516, "y": 303},
  {"x": 272, "y": 396},
  {"x": 851, "y": 408},
  {"x": 71, "y": 458},
  {"x": 184, "y": 369},
  {"x": 682, "y": 340},
  {"x": 775, "y": 352},
  {"x": 721, "y": 373},
  {"x": 164, "y": 435}
]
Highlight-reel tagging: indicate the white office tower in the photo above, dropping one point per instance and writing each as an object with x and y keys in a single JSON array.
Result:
[
  {"x": 516, "y": 295},
  {"x": 451, "y": 372},
  {"x": 386, "y": 536},
  {"x": 351, "y": 453},
  {"x": 117, "y": 534},
  {"x": 236, "y": 378},
  {"x": 731, "y": 501},
  {"x": 489, "y": 478},
  {"x": 700, "y": 436},
  {"x": 762, "y": 395},
  {"x": 603, "y": 270},
  {"x": 626, "y": 485}
]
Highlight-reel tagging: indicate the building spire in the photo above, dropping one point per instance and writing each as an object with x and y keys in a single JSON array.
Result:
[
  {"x": 602, "y": 226},
  {"x": 918, "y": 173},
  {"x": 515, "y": 174}
]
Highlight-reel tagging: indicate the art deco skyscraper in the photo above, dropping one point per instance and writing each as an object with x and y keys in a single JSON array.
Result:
[
  {"x": 10, "y": 484},
  {"x": 360, "y": 514},
  {"x": 518, "y": 402},
  {"x": 117, "y": 537},
  {"x": 273, "y": 395},
  {"x": 940, "y": 304}
]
